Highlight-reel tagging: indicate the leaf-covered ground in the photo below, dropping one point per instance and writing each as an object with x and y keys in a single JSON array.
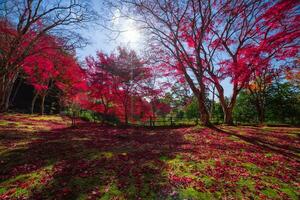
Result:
[{"x": 41, "y": 158}]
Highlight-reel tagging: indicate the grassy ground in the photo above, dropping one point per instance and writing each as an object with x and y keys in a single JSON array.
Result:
[{"x": 41, "y": 158}]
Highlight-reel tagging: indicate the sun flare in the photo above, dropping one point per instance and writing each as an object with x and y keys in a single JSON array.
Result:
[
  {"x": 129, "y": 31},
  {"x": 132, "y": 35}
]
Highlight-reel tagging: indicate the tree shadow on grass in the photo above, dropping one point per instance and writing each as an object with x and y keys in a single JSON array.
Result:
[
  {"x": 94, "y": 161},
  {"x": 283, "y": 149},
  {"x": 91, "y": 161}
]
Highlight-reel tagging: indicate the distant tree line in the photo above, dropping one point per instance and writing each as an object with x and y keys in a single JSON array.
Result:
[{"x": 281, "y": 106}]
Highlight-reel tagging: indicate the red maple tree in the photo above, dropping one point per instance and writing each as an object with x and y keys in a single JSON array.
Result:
[{"x": 118, "y": 85}]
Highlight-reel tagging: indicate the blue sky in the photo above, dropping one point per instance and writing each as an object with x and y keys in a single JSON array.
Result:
[{"x": 101, "y": 39}]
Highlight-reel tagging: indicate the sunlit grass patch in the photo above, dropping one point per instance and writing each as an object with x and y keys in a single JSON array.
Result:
[
  {"x": 190, "y": 137},
  {"x": 290, "y": 190},
  {"x": 295, "y": 131},
  {"x": 248, "y": 183},
  {"x": 80, "y": 138},
  {"x": 20, "y": 192},
  {"x": 52, "y": 118},
  {"x": 267, "y": 128},
  {"x": 198, "y": 128},
  {"x": 237, "y": 129},
  {"x": 251, "y": 167},
  {"x": 8, "y": 124},
  {"x": 95, "y": 154},
  {"x": 111, "y": 191},
  {"x": 270, "y": 193},
  {"x": 179, "y": 166},
  {"x": 187, "y": 169},
  {"x": 33, "y": 128},
  {"x": 270, "y": 180},
  {"x": 268, "y": 155},
  {"x": 3, "y": 149},
  {"x": 207, "y": 180},
  {"x": 242, "y": 132},
  {"x": 191, "y": 193},
  {"x": 107, "y": 154},
  {"x": 147, "y": 185},
  {"x": 24, "y": 126},
  {"x": 3, "y": 123},
  {"x": 146, "y": 164},
  {"x": 2, "y": 190},
  {"x": 22, "y": 186},
  {"x": 234, "y": 138},
  {"x": 32, "y": 123},
  {"x": 294, "y": 134},
  {"x": 203, "y": 164}
]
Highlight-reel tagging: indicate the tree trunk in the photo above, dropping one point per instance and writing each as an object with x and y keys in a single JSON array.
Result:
[
  {"x": 261, "y": 114},
  {"x": 227, "y": 107},
  {"x": 33, "y": 102},
  {"x": 212, "y": 104},
  {"x": 228, "y": 119},
  {"x": 5, "y": 92},
  {"x": 16, "y": 90},
  {"x": 126, "y": 119},
  {"x": 204, "y": 115},
  {"x": 43, "y": 104},
  {"x": 261, "y": 117},
  {"x": 7, "y": 99}
]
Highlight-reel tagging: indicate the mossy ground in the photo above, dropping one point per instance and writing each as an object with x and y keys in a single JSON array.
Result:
[{"x": 42, "y": 158}]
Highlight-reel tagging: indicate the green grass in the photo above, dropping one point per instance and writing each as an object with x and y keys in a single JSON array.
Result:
[
  {"x": 251, "y": 167},
  {"x": 110, "y": 163},
  {"x": 290, "y": 191},
  {"x": 247, "y": 183},
  {"x": 190, "y": 137},
  {"x": 270, "y": 193},
  {"x": 2, "y": 190},
  {"x": 21, "y": 193},
  {"x": 95, "y": 154},
  {"x": 234, "y": 138},
  {"x": 3, "y": 123},
  {"x": 110, "y": 192},
  {"x": 268, "y": 155},
  {"x": 191, "y": 193},
  {"x": 207, "y": 180}
]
